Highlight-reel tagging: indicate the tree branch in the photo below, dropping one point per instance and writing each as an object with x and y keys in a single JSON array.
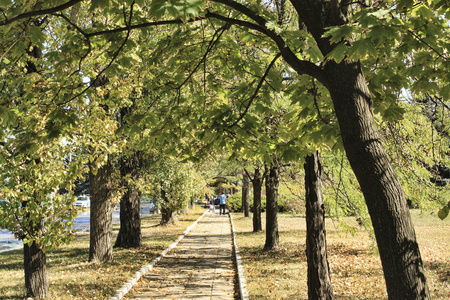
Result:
[
  {"x": 39, "y": 12},
  {"x": 258, "y": 87},
  {"x": 214, "y": 40},
  {"x": 248, "y": 175},
  {"x": 241, "y": 23},
  {"x": 300, "y": 66},
  {"x": 116, "y": 54},
  {"x": 415, "y": 35},
  {"x": 143, "y": 25},
  {"x": 84, "y": 34},
  {"x": 316, "y": 105}
]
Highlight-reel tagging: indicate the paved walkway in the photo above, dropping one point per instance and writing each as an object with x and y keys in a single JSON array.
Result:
[{"x": 199, "y": 267}]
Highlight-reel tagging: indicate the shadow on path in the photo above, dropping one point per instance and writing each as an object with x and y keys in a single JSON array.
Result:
[{"x": 200, "y": 267}]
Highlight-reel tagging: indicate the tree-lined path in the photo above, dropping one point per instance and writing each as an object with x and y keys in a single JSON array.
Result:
[{"x": 200, "y": 267}]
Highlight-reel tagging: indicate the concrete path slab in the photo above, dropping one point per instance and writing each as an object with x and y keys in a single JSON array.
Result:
[{"x": 199, "y": 267}]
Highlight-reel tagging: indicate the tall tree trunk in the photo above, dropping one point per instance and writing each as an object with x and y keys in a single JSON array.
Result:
[
  {"x": 319, "y": 282},
  {"x": 384, "y": 196},
  {"x": 245, "y": 195},
  {"x": 36, "y": 276},
  {"x": 385, "y": 199},
  {"x": 100, "y": 248},
  {"x": 130, "y": 235},
  {"x": 272, "y": 182},
  {"x": 257, "y": 187}
]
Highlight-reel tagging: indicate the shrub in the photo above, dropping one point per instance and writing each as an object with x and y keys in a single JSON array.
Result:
[
  {"x": 286, "y": 204},
  {"x": 234, "y": 203},
  {"x": 290, "y": 204}
]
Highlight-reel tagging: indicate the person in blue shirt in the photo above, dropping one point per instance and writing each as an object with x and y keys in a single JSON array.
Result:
[{"x": 223, "y": 202}]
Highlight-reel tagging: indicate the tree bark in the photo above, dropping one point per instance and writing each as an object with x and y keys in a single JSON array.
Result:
[
  {"x": 167, "y": 216},
  {"x": 319, "y": 281},
  {"x": 385, "y": 199},
  {"x": 167, "y": 213},
  {"x": 130, "y": 235},
  {"x": 257, "y": 187},
  {"x": 272, "y": 183},
  {"x": 36, "y": 276},
  {"x": 100, "y": 248},
  {"x": 245, "y": 195}
]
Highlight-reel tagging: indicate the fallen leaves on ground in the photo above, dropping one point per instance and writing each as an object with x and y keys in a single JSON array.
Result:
[{"x": 356, "y": 271}]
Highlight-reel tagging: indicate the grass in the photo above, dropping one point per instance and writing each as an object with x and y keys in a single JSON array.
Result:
[
  {"x": 355, "y": 267},
  {"x": 71, "y": 276}
]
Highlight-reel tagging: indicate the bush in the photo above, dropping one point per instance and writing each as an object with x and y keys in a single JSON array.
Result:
[
  {"x": 291, "y": 204},
  {"x": 286, "y": 204},
  {"x": 234, "y": 203}
]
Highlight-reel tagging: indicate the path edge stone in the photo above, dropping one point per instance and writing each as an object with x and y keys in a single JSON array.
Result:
[
  {"x": 240, "y": 268},
  {"x": 121, "y": 292}
]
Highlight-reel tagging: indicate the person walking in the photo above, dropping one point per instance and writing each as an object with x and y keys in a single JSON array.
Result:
[
  {"x": 223, "y": 203},
  {"x": 206, "y": 200},
  {"x": 212, "y": 207}
]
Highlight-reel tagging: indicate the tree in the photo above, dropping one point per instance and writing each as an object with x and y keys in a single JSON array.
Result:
[
  {"x": 34, "y": 154},
  {"x": 100, "y": 246},
  {"x": 319, "y": 282},
  {"x": 34, "y": 212},
  {"x": 129, "y": 235},
  {"x": 418, "y": 152},
  {"x": 174, "y": 184},
  {"x": 132, "y": 164},
  {"x": 257, "y": 182},
  {"x": 436, "y": 110},
  {"x": 245, "y": 194},
  {"x": 351, "y": 97},
  {"x": 272, "y": 182},
  {"x": 103, "y": 176}
]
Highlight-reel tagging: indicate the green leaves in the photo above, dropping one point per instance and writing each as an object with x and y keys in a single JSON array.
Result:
[
  {"x": 392, "y": 113},
  {"x": 338, "y": 53},
  {"x": 422, "y": 11},
  {"x": 337, "y": 34},
  {"x": 5, "y": 3},
  {"x": 361, "y": 49},
  {"x": 8, "y": 116},
  {"x": 99, "y": 4},
  {"x": 183, "y": 9},
  {"x": 187, "y": 86},
  {"x": 35, "y": 212}
]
